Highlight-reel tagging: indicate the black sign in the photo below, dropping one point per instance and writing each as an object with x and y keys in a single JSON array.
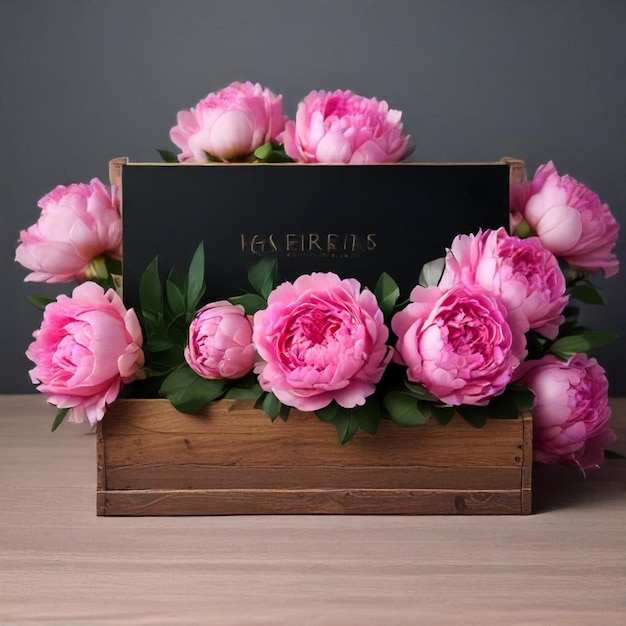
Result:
[{"x": 355, "y": 220}]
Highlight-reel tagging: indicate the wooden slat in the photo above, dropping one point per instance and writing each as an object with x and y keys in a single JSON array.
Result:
[
  {"x": 167, "y": 476},
  {"x": 308, "y": 501}
]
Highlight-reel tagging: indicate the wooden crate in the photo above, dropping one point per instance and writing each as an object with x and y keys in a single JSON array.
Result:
[{"x": 231, "y": 460}]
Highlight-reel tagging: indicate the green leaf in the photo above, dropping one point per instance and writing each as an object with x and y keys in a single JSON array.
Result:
[
  {"x": 589, "y": 294},
  {"x": 150, "y": 292},
  {"x": 271, "y": 405},
  {"x": 168, "y": 156},
  {"x": 263, "y": 275},
  {"x": 188, "y": 392},
  {"x": 212, "y": 158},
  {"x": 346, "y": 425},
  {"x": 262, "y": 152},
  {"x": 40, "y": 301},
  {"x": 420, "y": 392},
  {"x": 367, "y": 416},
  {"x": 524, "y": 398},
  {"x": 404, "y": 409},
  {"x": 443, "y": 414},
  {"x": 241, "y": 393},
  {"x": 566, "y": 347},
  {"x": 158, "y": 343},
  {"x": 503, "y": 407},
  {"x": 60, "y": 416},
  {"x": 175, "y": 298},
  {"x": 195, "y": 280},
  {"x": 387, "y": 293},
  {"x": 474, "y": 415},
  {"x": 431, "y": 273},
  {"x": 251, "y": 302},
  {"x": 328, "y": 413}
]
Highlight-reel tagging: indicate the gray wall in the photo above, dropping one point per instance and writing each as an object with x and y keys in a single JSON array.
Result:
[{"x": 83, "y": 81}]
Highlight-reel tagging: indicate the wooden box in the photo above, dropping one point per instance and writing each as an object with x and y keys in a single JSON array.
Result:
[{"x": 232, "y": 460}]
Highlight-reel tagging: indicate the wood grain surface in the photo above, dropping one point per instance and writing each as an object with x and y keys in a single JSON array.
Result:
[
  {"x": 60, "y": 564},
  {"x": 232, "y": 460}
]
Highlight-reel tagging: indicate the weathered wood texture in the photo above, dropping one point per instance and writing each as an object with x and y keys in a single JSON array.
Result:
[{"x": 153, "y": 460}]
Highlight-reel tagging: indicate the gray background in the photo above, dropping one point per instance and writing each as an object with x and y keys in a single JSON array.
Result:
[{"x": 83, "y": 81}]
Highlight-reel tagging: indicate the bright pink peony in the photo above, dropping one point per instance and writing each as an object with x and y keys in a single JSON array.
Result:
[
  {"x": 220, "y": 342},
  {"x": 321, "y": 339},
  {"x": 521, "y": 272},
  {"x": 87, "y": 345},
  {"x": 459, "y": 343},
  {"x": 229, "y": 124},
  {"x": 78, "y": 223},
  {"x": 569, "y": 219},
  {"x": 342, "y": 127},
  {"x": 571, "y": 410}
]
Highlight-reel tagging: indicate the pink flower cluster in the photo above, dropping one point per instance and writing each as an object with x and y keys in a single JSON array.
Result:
[
  {"x": 78, "y": 223},
  {"x": 86, "y": 347},
  {"x": 569, "y": 219},
  {"x": 323, "y": 339},
  {"x": 330, "y": 127},
  {"x": 464, "y": 338}
]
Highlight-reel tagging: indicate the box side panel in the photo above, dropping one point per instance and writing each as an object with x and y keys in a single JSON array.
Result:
[{"x": 309, "y": 501}]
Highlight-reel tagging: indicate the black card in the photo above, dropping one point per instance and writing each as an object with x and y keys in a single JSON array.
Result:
[{"x": 355, "y": 220}]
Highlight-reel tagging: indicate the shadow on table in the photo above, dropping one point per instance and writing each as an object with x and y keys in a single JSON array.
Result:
[{"x": 559, "y": 487}]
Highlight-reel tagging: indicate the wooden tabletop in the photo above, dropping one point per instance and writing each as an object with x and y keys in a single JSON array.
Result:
[{"x": 61, "y": 564}]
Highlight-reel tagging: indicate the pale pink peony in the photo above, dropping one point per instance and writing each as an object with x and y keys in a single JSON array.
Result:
[
  {"x": 569, "y": 219},
  {"x": 521, "y": 272},
  {"x": 343, "y": 127},
  {"x": 78, "y": 223},
  {"x": 571, "y": 410},
  {"x": 229, "y": 124},
  {"x": 459, "y": 343},
  {"x": 321, "y": 339},
  {"x": 220, "y": 342},
  {"x": 87, "y": 346}
]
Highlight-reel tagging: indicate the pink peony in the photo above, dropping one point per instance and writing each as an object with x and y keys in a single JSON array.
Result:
[
  {"x": 229, "y": 124},
  {"x": 342, "y": 127},
  {"x": 571, "y": 410},
  {"x": 459, "y": 343},
  {"x": 321, "y": 339},
  {"x": 78, "y": 223},
  {"x": 87, "y": 345},
  {"x": 220, "y": 342},
  {"x": 521, "y": 272},
  {"x": 569, "y": 219}
]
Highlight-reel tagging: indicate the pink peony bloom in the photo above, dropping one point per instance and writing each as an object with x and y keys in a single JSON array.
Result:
[
  {"x": 321, "y": 339},
  {"x": 78, "y": 223},
  {"x": 229, "y": 124},
  {"x": 220, "y": 342},
  {"x": 87, "y": 346},
  {"x": 569, "y": 219},
  {"x": 459, "y": 343},
  {"x": 521, "y": 272},
  {"x": 342, "y": 127},
  {"x": 571, "y": 410}
]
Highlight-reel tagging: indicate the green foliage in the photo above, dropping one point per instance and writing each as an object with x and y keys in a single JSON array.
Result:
[
  {"x": 263, "y": 276},
  {"x": 272, "y": 152},
  {"x": 431, "y": 272},
  {"x": 188, "y": 392},
  {"x": 349, "y": 421},
  {"x": 168, "y": 156},
  {"x": 566, "y": 347},
  {"x": 166, "y": 311},
  {"x": 387, "y": 293},
  {"x": 41, "y": 302},
  {"x": 58, "y": 420}
]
